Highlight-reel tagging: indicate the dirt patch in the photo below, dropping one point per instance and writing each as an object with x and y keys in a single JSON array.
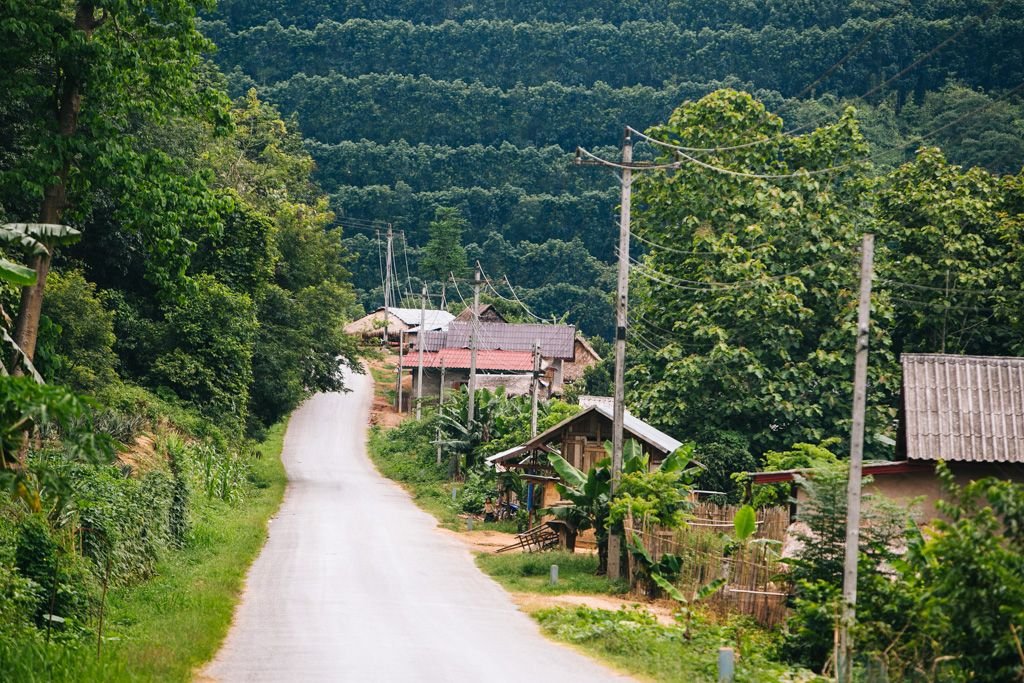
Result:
[
  {"x": 484, "y": 540},
  {"x": 382, "y": 411},
  {"x": 531, "y": 602}
]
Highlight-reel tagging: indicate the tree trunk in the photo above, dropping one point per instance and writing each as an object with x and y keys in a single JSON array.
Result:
[{"x": 68, "y": 100}]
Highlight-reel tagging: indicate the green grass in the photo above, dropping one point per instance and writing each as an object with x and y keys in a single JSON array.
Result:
[
  {"x": 633, "y": 641},
  {"x": 529, "y": 573},
  {"x": 164, "y": 628}
]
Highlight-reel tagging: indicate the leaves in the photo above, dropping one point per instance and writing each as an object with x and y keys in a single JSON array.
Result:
[{"x": 744, "y": 523}]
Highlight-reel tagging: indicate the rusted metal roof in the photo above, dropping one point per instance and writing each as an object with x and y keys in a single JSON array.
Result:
[
  {"x": 966, "y": 408},
  {"x": 508, "y": 361},
  {"x": 556, "y": 341}
]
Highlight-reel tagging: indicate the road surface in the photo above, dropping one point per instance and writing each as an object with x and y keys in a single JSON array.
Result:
[{"x": 356, "y": 583}]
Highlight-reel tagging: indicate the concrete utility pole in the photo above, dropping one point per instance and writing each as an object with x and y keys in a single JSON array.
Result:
[
  {"x": 419, "y": 363},
  {"x": 474, "y": 332},
  {"x": 621, "y": 321},
  {"x": 627, "y": 166},
  {"x": 440, "y": 402},
  {"x": 401, "y": 346},
  {"x": 387, "y": 285},
  {"x": 844, "y": 668},
  {"x": 534, "y": 388}
]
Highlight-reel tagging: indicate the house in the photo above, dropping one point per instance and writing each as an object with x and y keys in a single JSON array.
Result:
[
  {"x": 580, "y": 440},
  {"x": 487, "y": 313},
  {"x": 453, "y": 364},
  {"x": 965, "y": 410},
  {"x": 556, "y": 342},
  {"x": 584, "y": 356},
  {"x": 400, "y": 321}
]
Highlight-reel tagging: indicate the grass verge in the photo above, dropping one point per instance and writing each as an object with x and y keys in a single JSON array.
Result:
[
  {"x": 530, "y": 573},
  {"x": 164, "y": 628},
  {"x": 634, "y": 641}
]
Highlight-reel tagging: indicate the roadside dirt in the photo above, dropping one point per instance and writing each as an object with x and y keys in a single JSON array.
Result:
[
  {"x": 382, "y": 411},
  {"x": 483, "y": 541},
  {"x": 531, "y": 602}
]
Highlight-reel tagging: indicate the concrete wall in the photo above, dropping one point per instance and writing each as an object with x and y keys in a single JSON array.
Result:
[{"x": 923, "y": 489}]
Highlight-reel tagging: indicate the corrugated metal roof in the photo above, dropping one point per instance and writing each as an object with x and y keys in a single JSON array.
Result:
[
  {"x": 556, "y": 341},
  {"x": 433, "y": 319},
  {"x": 631, "y": 426},
  {"x": 509, "y": 361},
  {"x": 966, "y": 408}
]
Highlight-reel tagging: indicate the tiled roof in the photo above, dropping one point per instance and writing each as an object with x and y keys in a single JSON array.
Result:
[
  {"x": 508, "y": 361},
  {"x": 967, "y": 408},
  {"x": 556, "y": 341}
]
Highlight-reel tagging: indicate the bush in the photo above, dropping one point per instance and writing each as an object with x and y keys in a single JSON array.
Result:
[{"x": 76, "y": 345}]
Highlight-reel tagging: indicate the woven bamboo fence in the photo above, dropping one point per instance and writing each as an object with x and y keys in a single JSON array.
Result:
[{"x": 754, "y": 585}]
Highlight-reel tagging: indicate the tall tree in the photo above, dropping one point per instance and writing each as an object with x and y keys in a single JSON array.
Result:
[
  {"x": 745, "y": 306},
  {"x": 81, "y": 74},
  {"x": 444, "y": 254}
]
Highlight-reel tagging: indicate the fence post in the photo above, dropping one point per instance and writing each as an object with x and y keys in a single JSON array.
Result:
[
  {"x": 554, "y": 575},
  {"x": 726, "y": 665}
]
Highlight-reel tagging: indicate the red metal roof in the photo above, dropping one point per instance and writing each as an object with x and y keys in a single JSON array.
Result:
[
  {"x": 511, "y": 361},
  {"x": 870, "y": 468}
]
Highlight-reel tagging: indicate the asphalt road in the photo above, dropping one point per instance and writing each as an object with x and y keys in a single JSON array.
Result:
[{"x": 356, "y": 583}]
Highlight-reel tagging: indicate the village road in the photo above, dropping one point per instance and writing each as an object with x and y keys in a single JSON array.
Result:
[{"x": 355, "y": 582}]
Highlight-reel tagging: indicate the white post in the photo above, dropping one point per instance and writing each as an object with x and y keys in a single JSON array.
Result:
[
  {"x": 387, "y": 285},
  {"x": 844, "y": 670},
  {"x": 401, "y": 345}
]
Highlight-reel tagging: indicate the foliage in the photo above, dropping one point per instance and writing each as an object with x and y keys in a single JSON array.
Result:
[
  {"x": 965, "y": 577},
  {"x": 723, "y": 454},
  {"x": 443, "y": 255},
  {"x": 26, "y": 405},
  {"x": 766, "y": 351},
  {"x": 530, "y": 572},
  {"x": 800, "y": 456},
  {"x": 209, "y": 357},
  {"x": 633, "y": 639},
  {"x": 817, "y": 570},
  {"x": 950, "y": 263},
  {"x": 77, "y": 335}
]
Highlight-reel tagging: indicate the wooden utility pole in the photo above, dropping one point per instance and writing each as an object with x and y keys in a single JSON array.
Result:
[
  {"x": 534, "y": 388},
  {"x": 387, "y": 285},
  {"x": 844, "y": 667},
  {"x": 621, "y": 321},
  {"x": 419, "y": 362},
  {"x": 473, "y": 334}
]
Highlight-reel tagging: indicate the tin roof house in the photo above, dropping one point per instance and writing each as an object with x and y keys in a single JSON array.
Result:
[{"x": 965, "y": 410}]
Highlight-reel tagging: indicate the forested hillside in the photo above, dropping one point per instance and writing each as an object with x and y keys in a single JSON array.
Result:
[{"x": 410, "y": 106}]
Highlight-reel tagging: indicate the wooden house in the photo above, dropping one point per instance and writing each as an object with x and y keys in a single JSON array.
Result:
[{"x": 580, "y": 440}]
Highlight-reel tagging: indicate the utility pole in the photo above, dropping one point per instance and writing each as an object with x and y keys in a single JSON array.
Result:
[
  {"x": 621, "y": 320},
  {"x": 387, "y": 285},
  {"x": 440, "y": 402},
  {"x": 844, "y": 668},
  {"x": 474, "y": 332},
  {"x": 534, "y": 389},
  {"x": 419, "y": 363},
  {"x": 401, "y": 345},
  {"x": 626, "y": 166}
]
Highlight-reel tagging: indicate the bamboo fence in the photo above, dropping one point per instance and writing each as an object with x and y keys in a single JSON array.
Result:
[{"x": 754, "y": 582}]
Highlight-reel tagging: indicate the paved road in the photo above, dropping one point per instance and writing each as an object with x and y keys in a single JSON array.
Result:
[{"x": 356, "y": 584}]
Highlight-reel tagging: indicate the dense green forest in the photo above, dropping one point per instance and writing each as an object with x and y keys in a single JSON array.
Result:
[
  {"x": 411, "y": 106},
  {"x": 172, "y": 285}
]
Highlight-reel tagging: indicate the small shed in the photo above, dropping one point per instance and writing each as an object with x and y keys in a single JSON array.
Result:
[{"x": 399, "y": 321}]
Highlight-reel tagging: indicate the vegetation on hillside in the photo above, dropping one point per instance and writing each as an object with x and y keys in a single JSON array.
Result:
[{"x": 198, "y": 297}]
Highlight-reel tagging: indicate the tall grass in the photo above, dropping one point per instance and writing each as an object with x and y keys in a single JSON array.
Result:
[{"x": 164, "y": 628}]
